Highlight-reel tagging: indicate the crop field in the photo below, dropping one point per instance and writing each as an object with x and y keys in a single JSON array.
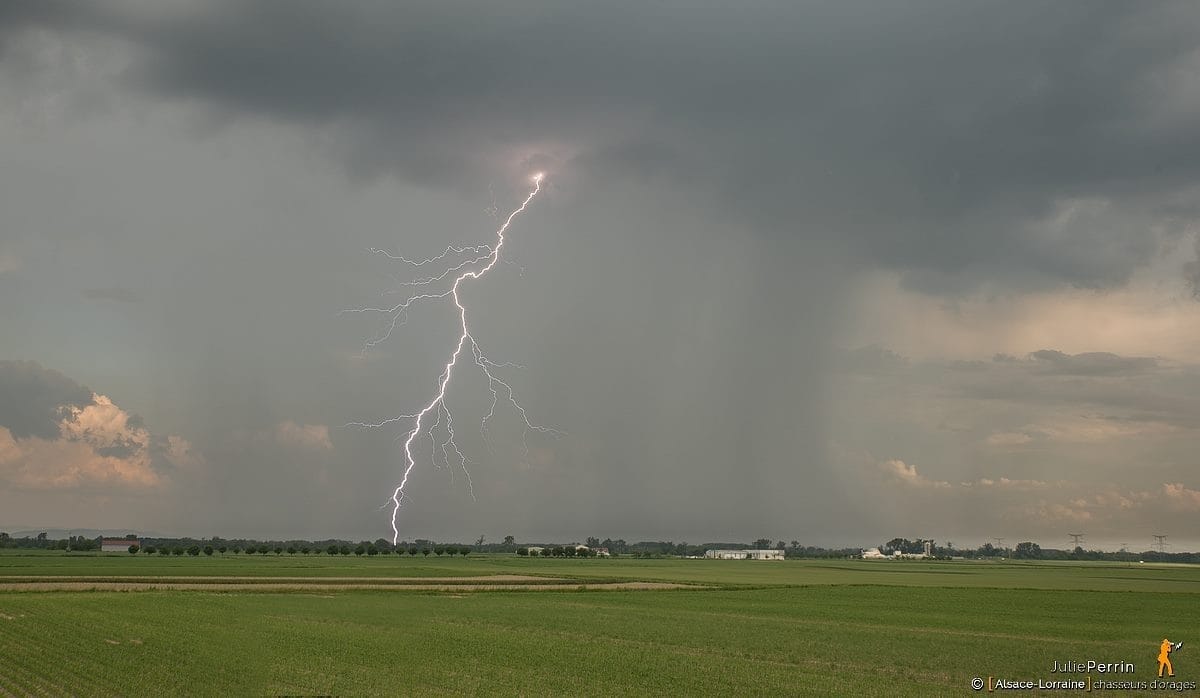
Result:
[{"x": 308, "y": 625}]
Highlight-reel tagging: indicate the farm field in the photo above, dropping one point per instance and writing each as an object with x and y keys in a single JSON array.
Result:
[{"x": 756, "y": 628}]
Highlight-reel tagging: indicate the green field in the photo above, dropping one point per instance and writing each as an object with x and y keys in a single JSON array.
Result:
[{"x": 756, "y": 628}]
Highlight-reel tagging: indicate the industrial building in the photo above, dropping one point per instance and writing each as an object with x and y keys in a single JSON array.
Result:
[{"x": 744, "y": 554}]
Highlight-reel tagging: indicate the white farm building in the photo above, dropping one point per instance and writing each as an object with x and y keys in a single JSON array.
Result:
[
  {"x": 874, "y": 554},
  {"x": 744, "y": 554}
]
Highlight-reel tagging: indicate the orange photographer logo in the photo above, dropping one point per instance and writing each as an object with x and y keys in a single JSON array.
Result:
[{"x": 1164, "y": 656}]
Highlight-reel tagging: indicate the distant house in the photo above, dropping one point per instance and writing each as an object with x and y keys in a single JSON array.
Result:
[
  {"x": 535, "y": 550},
  {"x": 744, "y": 554},
  {"x": 117, "y": 545}
]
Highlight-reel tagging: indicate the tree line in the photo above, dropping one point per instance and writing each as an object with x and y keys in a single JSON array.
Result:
[
  {"x": 1028, "y": 550},
  {"x": 1025, "y": 550}
]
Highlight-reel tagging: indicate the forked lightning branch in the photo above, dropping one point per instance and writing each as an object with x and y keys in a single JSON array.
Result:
[{"x": 453, "y": 266}]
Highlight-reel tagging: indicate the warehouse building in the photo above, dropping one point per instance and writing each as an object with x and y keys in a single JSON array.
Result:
[{"x": 744, "y": 554}]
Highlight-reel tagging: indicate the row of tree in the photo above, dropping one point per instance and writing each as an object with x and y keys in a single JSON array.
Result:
[
  {"x": 331, "y": 549},
  {"x": 557, "y": 551},
  {"x": 1026, "y": 550}
]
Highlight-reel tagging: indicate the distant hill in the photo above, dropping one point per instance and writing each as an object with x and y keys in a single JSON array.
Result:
[{"x": 60, "y": 533}]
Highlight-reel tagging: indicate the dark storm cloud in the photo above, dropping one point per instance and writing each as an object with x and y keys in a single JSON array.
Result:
[
  {"x": 21, "y": 15},
  {"x": 32, "y": 398},
  {"x": 959, "y": 142},
  {"x": 724, "y": 173}
]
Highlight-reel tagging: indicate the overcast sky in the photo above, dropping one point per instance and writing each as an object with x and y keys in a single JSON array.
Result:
[{"x": 829, "y": 272}]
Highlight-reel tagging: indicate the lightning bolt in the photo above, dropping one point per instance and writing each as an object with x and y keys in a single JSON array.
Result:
[{"x": 479, "y": 261}]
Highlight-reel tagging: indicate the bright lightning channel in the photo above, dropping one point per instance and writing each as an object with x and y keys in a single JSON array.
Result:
[{"x": 479, "y": 261}]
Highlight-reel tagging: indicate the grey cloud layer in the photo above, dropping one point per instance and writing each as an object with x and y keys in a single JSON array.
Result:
[
  {"x": 959, "y": 142},
  {"x": 33, "y": 398}
]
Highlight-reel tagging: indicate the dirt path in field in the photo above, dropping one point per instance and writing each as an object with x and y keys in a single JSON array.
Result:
[{"x": 418, "y": 585}]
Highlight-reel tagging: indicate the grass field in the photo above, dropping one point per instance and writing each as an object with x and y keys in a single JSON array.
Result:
[{"x": 756, "y": 628}]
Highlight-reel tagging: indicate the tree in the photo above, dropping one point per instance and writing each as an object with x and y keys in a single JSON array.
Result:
[
  {"x": 345, "y": 550},
  {"x": 372, "y": 550},
  {"x": 150, "y": 550},
  {"x": 177, "y": 550},
  {"x": 523, "y": 552},
  {"x": 425, "y": 551},
  {"x": 593, "y": 542},
  {"x": 547, "y": 552},
  {"x": 464, "y": 551},
  {"x": 133, "y": 549},
  {"x": 412, "y": 551},
  {"x": 279, "y": 550},
  {"x": 1027, "y": 551},
  {"x": 291, "y": 550},
  {"x": 163, "y": 551},
  {"x": 222, "y": 549},
  {"x": 479, "y": 542},
  {"x": 439, "y": 551},
  {"x": 509, "y": 541},
  {"x": 208, "y": 550},
  {"x": 305, "y": 549},
  {"x": 194, "y": 550},
  {"x": 331, "y": 550},
  {"x": 451, "y": 550},
  {"x": 762, "y": 544}
]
